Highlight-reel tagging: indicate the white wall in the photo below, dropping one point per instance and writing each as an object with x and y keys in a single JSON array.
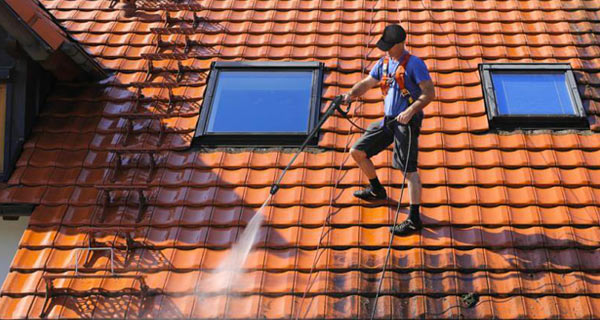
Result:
[{"x": 10, "y": 235}]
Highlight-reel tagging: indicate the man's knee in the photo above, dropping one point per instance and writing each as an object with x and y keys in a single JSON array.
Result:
[
  {"x": 358, "y": 154},
  {"x": 413, "y": 177}
]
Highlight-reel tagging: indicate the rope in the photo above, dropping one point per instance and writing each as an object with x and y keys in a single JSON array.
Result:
[
  {"x": 330, "y": 214},
  {"x": 389, "y": 249},
  {"x": 327, "y": 220},
  {"x": 322, "y": 236}
]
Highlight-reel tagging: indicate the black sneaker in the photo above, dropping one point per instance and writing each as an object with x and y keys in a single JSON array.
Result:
[
  {"x": 406, "y": 227},
  {"x": 368, "y": 194}
]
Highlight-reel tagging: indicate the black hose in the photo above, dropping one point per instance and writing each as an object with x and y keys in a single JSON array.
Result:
[{"x": 335, "y": 105}]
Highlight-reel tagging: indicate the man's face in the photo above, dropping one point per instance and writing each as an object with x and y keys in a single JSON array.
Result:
[{"x": 397, "y": 50}]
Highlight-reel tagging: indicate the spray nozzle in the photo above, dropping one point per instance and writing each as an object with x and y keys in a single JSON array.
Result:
[{"x": 337, "y": 102}]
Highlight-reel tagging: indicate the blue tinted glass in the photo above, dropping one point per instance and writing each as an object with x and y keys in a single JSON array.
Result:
[
  {"x": 261, "y": 101},
  {"x": 532, "y": 93}
]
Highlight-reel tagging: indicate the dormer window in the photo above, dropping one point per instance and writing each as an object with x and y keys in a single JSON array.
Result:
[
  {"x": 260, "y": 103},
  {"x": 531, "y": 96}
]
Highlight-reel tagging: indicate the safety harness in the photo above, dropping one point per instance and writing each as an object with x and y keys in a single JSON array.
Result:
[{"x": 386, "y": 78}]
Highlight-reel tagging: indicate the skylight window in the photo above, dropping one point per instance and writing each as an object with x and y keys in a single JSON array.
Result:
[
  {"x": 531, "y": 96},
  {"x": 260, "y": 103}
]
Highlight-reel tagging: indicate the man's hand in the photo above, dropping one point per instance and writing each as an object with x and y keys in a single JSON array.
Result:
[
  {"x": 405, "y": 116},
  {"x": 428, "y": 93},
  {"x": 346, "y": 98}
]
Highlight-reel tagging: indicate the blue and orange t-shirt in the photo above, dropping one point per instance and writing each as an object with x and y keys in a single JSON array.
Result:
[{"x": 416, "y": 72}]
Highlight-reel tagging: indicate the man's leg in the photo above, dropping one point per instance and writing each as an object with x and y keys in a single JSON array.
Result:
[
  {"x": 414, "y": 191},
  {"x": 375, "y": 190},
  {"x": 364, "y": 163},
  {"x": 413, "y": 221},
  {"x": 407, "y": 159},
  {"x": 369, "y": 144},
  {"x": 414, "y": 187}
]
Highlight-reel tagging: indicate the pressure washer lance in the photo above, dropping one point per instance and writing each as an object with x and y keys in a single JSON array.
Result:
[{"x": 335, "y": 105}]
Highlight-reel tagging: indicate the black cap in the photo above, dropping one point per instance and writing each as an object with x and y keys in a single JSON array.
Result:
[{"x": 392, "y": 34}]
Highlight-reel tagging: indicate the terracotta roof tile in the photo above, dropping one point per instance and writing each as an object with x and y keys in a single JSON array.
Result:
[{"x": 509, "y": 217}]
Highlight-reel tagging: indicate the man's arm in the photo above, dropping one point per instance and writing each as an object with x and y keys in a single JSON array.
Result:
[
  {"x": 427, "y": 95},
  {"x": 360, "y": 88}
]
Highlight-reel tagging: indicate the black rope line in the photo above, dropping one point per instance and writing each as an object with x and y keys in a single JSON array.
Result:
[{"x": 389, "y": 249}]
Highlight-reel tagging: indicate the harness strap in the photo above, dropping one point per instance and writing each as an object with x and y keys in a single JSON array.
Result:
[{"x": 385, "y": 82}]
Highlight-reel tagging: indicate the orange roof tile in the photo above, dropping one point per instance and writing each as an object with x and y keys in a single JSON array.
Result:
[{"x": 510, "y": 217}]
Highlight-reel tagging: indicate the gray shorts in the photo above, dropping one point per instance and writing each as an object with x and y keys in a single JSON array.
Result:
[{"x": 377, "y": 138}]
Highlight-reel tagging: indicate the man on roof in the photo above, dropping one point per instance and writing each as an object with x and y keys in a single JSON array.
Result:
[{"x": 407, "y": 88}]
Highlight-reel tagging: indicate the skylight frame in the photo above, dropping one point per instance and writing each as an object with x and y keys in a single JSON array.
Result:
[
  {"x": 204, "y": 137},
  {"x": 532, "y": 121}
]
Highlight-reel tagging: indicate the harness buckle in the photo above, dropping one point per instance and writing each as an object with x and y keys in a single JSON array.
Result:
[
  {"x": 387, "y": 80},
  {"x": 406, "y": 94}
]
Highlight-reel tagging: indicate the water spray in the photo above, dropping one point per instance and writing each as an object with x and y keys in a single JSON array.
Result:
[{"x": 229, "y": 270}]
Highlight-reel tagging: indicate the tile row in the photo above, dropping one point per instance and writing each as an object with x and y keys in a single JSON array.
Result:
[
  {"x": 470, "y": 49},
  {"x": 314, "y": 307},
  {"x": 353, "y": 5},
  {"x": 509, "y": 159},
  {"x": 565, "y": 33},
  {"x": 562, "y": 33},
  {"x": 95, "y": 141},
  {"x": 196, "y": 177},
  {"x": 352, "y": 65},
  {"x": 445, "y": 46},
  {"x": 329, "y": 283},
  {"x": 60, "y": 107},
  {"x": 322, "y": 216},
  {"x": 143, "y": 21},
  {"x": 430, "y": 158},
  {"x": 334, "y": 133},
  {"x": 563, "y": 141},
  {"x": 113, "y": 22},
  {"x": 335, "y": 237},
  {"x": 426, "y": 46},
  {"x": 305, "y": 196},
  {"x": 350, "y": 259},
  {"x": 68, "y": 94},
  {"x": 106, "y": 125}
]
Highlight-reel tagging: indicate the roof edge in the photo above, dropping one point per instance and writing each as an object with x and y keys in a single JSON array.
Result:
[
  {"x": 74, "y": 51},
  {"x": 37, "y": 48},
  {"x": 41, "y": 50}
]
